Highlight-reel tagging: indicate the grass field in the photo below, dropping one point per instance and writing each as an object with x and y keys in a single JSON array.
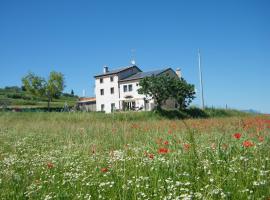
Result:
[{"x": 133, "y": 156}]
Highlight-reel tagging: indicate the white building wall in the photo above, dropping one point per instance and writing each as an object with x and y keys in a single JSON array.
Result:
[
  {"x": 107, "y": 99},
  {"x": 138, "y": 98}
]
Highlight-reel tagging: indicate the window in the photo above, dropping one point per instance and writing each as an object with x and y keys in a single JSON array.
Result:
[
  {"x": 112, "y": 107},
  {"x": 130, "y": 88},
  {"x": 137, "y": 84},
  {"x": 125, "y": 88},
  {"x": 112, "y": 90},
  {"x": 101, "y": 80},
  {"x": 101, "y": 91},
  {"x": 111, "y": 78},
  {"x": 102, "y": 107}
]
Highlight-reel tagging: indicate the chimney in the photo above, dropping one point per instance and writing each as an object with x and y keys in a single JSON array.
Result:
[
  {"x": 105, "y": 69},
  {"x": 178, "y": 72}
]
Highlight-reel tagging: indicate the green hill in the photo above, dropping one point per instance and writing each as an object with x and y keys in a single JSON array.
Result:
[{"x": 16, "y": 97}]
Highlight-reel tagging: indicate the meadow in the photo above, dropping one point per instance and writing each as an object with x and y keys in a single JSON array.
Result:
[{"x": 133, "y": 156}]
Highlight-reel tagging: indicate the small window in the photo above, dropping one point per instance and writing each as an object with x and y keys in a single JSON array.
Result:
[
  {"x": 111, "y": 78},
  {"x": 130, "y": 88},
  {"x": 137, "y": 84},
  {"x": 112, "y": 107},
  {"x": 101, "y": 91},
  {"x": 101, "y": 80},
  {"x": 102, "y": 107},
  {"x": 125, "y": 88},
  {"x": 112, "y": 90}
]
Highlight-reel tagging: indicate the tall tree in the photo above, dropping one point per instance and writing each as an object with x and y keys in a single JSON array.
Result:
[
  {"x": 38, "y": 86},
  {"x": 163, "y": 87},
  {"x": 182, "y": 92},
  {"x": 156, "y": 87}
]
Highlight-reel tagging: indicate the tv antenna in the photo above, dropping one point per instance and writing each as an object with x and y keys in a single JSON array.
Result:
[{"x": 133, "y": 57}]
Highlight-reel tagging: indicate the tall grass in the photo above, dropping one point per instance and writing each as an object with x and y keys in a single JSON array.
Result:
[{"x": 132, "y": 156}]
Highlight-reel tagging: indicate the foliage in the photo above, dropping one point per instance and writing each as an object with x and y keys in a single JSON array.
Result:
[
  {"x": 25, "y": 100},
  {"x": 182, "y": 92},
  {"x": 4, "y": 103},
  {"x": 38, "y": 86},
  {"x": 157, "y": 87},
  {"x": 63, "y": 156},
  {"x": 163, "y": 87}
]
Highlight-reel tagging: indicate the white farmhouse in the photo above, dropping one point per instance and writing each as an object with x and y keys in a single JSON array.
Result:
[{"x": 118, "y": 89}]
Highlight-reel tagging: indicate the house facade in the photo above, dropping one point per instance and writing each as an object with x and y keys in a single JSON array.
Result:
[{"x": 118, "y": 89}]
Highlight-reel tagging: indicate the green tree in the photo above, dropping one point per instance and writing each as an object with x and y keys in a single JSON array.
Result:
[
  {"x": 72, "y": 92},
  {"x": 163, "y": 87},
  {"x": 157, "y": 87},
  {"x": 182, "y": 92},
  {"x": 38, "y": 86}
]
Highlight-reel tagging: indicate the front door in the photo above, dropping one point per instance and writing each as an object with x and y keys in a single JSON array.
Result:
[{"x": 129, "y": 105}]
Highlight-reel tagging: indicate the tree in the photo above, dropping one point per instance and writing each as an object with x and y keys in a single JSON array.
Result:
[
  {"x": 38, "y": 86},
  {"x": 72, "y": 92},
  {"x": 156, "y": 87},
  {"x": 163, "y": 87},
  {"x": 182, "y": 92}
]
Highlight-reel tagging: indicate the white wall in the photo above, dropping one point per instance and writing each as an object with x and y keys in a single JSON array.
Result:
[
  {"x": 139, "y": 98},
  {"x": 107, "y": 99}
]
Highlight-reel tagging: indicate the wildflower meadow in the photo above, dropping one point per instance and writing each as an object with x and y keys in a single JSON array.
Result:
[{"x": 133, "y": 156}]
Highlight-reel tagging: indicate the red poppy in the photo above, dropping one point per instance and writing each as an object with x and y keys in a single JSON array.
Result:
[
  {"x": 163, "y": 150},
  {"x": 186, "y": 146},
  {"x": 104, "y": 170},
  {"x": 169, "y": 131},
  {"x": 166, "y": 142},
  {"x": 135, "y": 126},
  {"x": 50, "y": 165},
  {"x": 261, "y": 138},
  {"x": 248, "y": 143},
  {"x": 237, "y": 135},
  {"x": 151, "y": 156}
]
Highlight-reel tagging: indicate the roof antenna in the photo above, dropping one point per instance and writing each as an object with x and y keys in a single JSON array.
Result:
[{"x": 133, "y": 57}]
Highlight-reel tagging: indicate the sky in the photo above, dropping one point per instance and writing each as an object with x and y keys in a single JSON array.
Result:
[{"x": 79, "y": 37}]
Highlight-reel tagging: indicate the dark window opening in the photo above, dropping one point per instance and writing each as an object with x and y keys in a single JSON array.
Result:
[
  {"x": 125, "y": 88},
  {"x": 101, "y": 91},
  {"x": 112, "y": 107},
  {"x": 130, "y": 88},
  {"x": 112, "y": 90}
]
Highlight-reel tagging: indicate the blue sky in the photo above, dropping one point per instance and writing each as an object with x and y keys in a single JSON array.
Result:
[{"x": 78, "y": 37}]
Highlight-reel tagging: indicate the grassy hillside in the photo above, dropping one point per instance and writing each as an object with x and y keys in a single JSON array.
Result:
[
  {"x": 133, "y": 156},
  {"x": 16, "y": 97}
]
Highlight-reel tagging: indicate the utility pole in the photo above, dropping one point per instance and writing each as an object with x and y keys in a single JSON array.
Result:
[{"x": 201, "y": 81}]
